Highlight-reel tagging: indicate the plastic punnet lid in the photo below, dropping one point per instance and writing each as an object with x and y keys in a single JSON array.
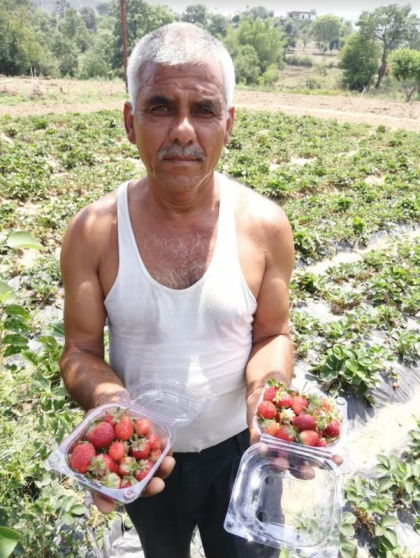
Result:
[
  {"x": 173, "y": 402},
  {"x": 287, "y": 497}
]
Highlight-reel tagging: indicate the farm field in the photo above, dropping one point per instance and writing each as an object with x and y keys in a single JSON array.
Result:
[{"x": 347, "y": 172}]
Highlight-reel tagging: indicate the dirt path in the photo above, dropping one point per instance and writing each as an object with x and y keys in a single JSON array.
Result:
[{"x": 393, "y": 114}]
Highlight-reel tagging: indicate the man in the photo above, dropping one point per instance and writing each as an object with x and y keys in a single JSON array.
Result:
[{"x": 191, "y": 271}]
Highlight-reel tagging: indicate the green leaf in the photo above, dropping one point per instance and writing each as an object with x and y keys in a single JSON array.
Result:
[
  {"x": 79, "y": 509},
  {"x": 8, "y": 540},
  {"x": 20, "y": 239},
  {"x": 5, "y": 288}
]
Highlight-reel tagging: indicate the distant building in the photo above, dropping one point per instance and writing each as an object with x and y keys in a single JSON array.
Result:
[{"x": 302, "y": 15}]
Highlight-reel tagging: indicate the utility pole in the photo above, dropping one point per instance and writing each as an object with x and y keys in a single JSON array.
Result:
[{"x": 124, "y": 41}]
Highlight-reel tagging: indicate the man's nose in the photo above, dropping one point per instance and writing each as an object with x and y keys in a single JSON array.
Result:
[{"x": 183, "y": 129}]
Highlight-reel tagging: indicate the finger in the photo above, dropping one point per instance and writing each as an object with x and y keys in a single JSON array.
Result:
[
  {"x": 104, "y": 505},
  {"x": 303, "y": 471},
  {"x": 166, "y": 467},
  {"x": 337, "y": 459},
  {"x": 153, "y": 487}
]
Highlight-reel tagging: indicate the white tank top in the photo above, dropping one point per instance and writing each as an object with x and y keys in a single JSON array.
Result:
[{"x": 200, "y": 336}]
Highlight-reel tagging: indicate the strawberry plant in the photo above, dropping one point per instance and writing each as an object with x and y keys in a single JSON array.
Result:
[{"x": 375, "y": 503}]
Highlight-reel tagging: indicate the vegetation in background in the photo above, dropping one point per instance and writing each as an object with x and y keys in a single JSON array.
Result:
[
  {"x": 341, "y": 185},
  {"x": 86, "y": 43}
]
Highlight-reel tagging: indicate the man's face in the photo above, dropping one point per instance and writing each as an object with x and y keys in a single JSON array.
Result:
[{"x": 180, "y": 123}]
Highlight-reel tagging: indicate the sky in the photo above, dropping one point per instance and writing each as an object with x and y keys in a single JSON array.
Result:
[{"x": 349, "y": 9}]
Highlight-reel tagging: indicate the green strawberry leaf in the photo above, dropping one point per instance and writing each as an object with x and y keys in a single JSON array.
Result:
[
  {"x": 21, "y": 239},
  {"x": 8, "y": 540}
]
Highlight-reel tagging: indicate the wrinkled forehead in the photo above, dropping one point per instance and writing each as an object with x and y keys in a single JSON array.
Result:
[{"x": 208, "y": 75}]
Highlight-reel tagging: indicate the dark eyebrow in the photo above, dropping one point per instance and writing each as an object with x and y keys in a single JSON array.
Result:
[
  {"x": 158, "y": 100},
  {"x": 209, "y": 105}
]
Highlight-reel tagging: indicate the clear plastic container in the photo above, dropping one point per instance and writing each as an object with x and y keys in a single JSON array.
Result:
[
  {"x": 167, "y": 405},
  {"x": 287, "y": 496}
]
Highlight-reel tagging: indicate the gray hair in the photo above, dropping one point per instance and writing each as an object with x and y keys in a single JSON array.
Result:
[{"x": 178, "y": 44}]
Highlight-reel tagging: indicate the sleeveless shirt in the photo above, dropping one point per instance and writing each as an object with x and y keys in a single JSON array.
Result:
[{"x": 200, "y": 336}]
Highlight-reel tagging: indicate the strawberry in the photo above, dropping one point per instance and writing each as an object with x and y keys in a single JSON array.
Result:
[
  {"x": 283, "y": 399},
  {"x": 127, "y": 466},
  {"x": 81, "y": 457},
  {"x": 270, "y": 393},
  {"x": 304, "y": 422},
  {"x": 111, "y": 480},
  {"x": 266, "y": 409},
  {"x": 117, "y": 450},
  {"x": 101, "y": 434},
  {"x": 155, "y": 454},
  {"x": 143, "y": 469},
  {"x": 101, "y": 465},
  {"x": 299, "y": 404},
  {"x": 124, "y": 428},
  {"x": 286, "y": 433},
  {"x": 322, "y": 443},
  {"x": 308, "y": 438},
  {"x": 127, "y": 481},
  {"x": 140, "y": 448},
  {"x": 333, "y": 429},
  {"x": 270, "y": 427},
  {"x": 142, "y": 426},
  {"x": 154, "y": 440}
]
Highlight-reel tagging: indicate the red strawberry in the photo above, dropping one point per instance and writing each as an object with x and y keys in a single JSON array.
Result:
[
  {"x": 127, "y": 466},
  {"x": 286, "y": 433},
  {"x": 154, "y": 440},
  {"x": 299, "y": 403},
  {"x": 124, "y": 428},
  {"x": 283, "y": 400},
  {"x": 270, "y": 393},
  {"x": 142, "y": 426},
  {"x": 270, "y": 427},
  {"x": 140, "y": 448},
  {"x": 102, "y": 464},
  {"x": 81, "y": 456},
  {"x": 155, "y": 454},
  {"x": 143, "y": 469},
  {"x": 304, "y": 422},
  {"x": 322, "y": 443},
  {"x": 111, "y": 480},
  {"x": 308, "y": 438},
  {"x": 127, "y": 481},
  {"x": 101, "y": 434},
  {"x": 266, "y": 409},
  {"x": 117, "y": 450},
  {"x": 333, "y": 429}
]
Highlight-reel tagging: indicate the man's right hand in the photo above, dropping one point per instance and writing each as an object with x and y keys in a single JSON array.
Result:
[{"x": 154, "y": 486}]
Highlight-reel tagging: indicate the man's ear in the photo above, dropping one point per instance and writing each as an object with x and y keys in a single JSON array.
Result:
[
  {"x": 229, "y": 124},
  {"x": 129, "y": 123}
]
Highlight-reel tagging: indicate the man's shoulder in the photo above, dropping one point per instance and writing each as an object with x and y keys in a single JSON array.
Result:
[
  {"x": 100, "y": 210},
  {"x": 257, "y": 207}
]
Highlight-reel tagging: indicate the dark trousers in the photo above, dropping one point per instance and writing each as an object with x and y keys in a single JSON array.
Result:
[{"x": 197, "y": 493}]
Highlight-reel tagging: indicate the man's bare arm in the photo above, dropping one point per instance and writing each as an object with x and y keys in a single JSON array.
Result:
[
  {"x": 85, "y": 373},
  {"x": 272, "y": 353}
]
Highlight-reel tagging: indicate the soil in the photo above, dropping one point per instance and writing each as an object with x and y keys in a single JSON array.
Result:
[{"x": 61, "y": 96}]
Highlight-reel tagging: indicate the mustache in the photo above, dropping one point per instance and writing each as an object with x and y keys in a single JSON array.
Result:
[{"x": 175, "y": 150}]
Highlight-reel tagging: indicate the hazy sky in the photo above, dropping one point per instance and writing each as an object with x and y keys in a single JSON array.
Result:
[{"x": 349, "y": 9}]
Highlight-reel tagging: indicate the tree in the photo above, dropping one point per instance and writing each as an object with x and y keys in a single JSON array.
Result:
[
  {"x": 405, "y": 67},
  {"x": 89, "y": 17},
  {"x": 20, "y": 47},
  {"x": 141, "y": 18},
  {"x": 217, "y": 25},
  {"x": 391, "y": 25},
  {"x": 327, "y": 30},
  {"x": 359, "y": 60},
  {"x": 196, "y": 13}
]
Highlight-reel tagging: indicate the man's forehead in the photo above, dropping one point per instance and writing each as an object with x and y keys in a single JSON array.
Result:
[{"x": 204, "y": 76}]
